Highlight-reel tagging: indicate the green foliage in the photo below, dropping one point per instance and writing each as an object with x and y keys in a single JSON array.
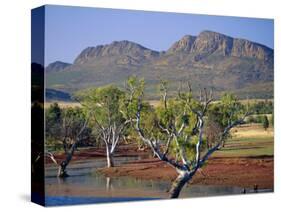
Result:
[
  {"x": 170, "y": 116},
  {"x": 107, "y": 113},
  {"x": 65, "y": 125},
  {"x": 174, "y": 113},
  {"x": 226, "y": 110},
  {"x": 102, "y": 104},
  {"x": 53, "y": 117},
  {"x": 259, "y": 110},
  {"x": 74, "y": 119},
  {"x": 262, "y": 107},
  {"x": 260, "y": 119},
  {"x": 230, "y": 108},
  {"x": 251, "y": 119},
  {"x": 134, "y": 89},
  {"x": 221, "y": 114}
]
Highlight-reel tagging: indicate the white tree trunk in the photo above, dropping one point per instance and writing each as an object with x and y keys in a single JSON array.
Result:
[
  {"x": 179, "y": 183},
  {"x": 177, "y": 186},
  {"x": 109, "y": 157},
  {"x": 108, "y": 184}
]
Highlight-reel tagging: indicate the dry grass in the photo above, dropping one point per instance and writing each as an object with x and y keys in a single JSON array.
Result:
[{"x": 252, "y": 130}]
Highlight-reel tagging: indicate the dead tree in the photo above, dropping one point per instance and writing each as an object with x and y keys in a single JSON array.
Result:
[
  {"x": 177, "y": 134},
  {"x": 69, "y": 148}
]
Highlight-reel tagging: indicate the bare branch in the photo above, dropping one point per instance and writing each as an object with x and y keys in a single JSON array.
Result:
[
  {"x": 51, "y": 156},
  {"x": 47, "y": 154},
  {"x": 163, "y": 128},
  {"x": 181, "y": 129},
  {"x": 167, "y": 146}
]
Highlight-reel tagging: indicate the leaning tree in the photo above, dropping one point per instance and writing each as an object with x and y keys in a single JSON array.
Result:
[
  {"x": 177, "y": 134},
  {"x": 106, "y": 119},
  {"x": 68, "y": 126}
]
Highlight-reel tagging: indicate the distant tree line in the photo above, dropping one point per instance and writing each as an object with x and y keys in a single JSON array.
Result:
[
  {"x": 261, "y": 118},
  {"x": 262, "y": 107}
]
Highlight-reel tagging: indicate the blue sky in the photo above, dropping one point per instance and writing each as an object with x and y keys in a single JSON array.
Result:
[{"x": 69, "y": 30}]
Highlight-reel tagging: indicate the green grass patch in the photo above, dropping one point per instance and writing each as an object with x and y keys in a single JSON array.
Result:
[{"x": 248, "y": 147}]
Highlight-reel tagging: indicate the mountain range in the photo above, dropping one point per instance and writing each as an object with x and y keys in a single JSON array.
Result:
[{"x": 210, "y": 59}]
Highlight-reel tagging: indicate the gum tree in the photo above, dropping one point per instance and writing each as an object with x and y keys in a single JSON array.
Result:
[
  {"x": 177, "y": 135},
  {"x": 106, "y": 118}
]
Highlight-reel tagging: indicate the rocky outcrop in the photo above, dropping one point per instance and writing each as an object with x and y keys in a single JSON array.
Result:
[
  {"x": 212, "y": 43},
  {"x": 183, "y": 45},
  {"x": 208, "y": 42},
  {"x": 245, "y": 48}
]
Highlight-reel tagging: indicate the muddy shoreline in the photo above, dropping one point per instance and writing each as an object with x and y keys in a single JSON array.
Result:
[
  {"x": 244, "y": 172},
  {"x": 95, "y": 152}
]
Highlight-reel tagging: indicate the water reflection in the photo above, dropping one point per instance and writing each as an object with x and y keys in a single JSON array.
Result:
[
  {"x": 109, "y": 185},
  {"x": 84, "y": 180}
]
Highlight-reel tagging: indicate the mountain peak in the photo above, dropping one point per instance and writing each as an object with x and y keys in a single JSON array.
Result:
[
  {"x": 208, "y": 42},
  {"x": 57, "y": 66},
  {"x": 184, "y": 44},
  {"x": 123, "y": 48},
  {"x": 212, "y": 33}
]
